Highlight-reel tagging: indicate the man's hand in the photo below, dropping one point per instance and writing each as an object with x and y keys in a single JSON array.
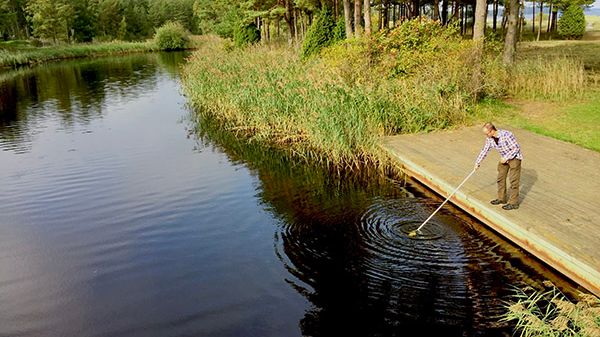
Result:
[
  {"x": 503, "y": 161},
  {"x": 475, "y": 167}
]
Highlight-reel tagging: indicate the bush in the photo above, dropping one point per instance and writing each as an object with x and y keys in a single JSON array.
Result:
[
  {"x": 339, "y": 32},
  {"x": 246, "y": 34},
  {"x": 571, "y": 24},
  {"x": 321, "y": 33},
  {"x": 172, "y": 36}
]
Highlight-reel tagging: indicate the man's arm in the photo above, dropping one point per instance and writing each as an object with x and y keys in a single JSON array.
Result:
[{"x": 483, "y": 153}]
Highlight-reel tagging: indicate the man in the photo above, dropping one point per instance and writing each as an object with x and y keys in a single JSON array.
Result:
[{"x": 510, "y": 164}]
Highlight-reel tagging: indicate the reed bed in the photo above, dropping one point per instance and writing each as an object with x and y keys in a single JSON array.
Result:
[
  {"x": 334, "y": 108},
  {"x": 321, "y": 110},
  {"x": 551, "y": 313},
  {"x": 559, "y": 79}
]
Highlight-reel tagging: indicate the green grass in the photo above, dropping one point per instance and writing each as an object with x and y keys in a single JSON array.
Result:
[
  {"x": 27, "y": 55},
  {"x": 22, "y": 53},
  {"x": 572, "y": 117},
  {"x": 575, "y": 121}
]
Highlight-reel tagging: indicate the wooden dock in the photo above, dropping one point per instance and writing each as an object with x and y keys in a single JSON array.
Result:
[{"x": 559, "y": 216}]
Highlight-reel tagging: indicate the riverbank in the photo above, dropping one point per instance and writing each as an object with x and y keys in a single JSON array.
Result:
[
  {"x": 336, "y": 107},
  {"x": 16, "y": 54}
]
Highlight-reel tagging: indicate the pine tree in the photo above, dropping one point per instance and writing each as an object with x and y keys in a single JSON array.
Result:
[{"x": 571, "y": 24}]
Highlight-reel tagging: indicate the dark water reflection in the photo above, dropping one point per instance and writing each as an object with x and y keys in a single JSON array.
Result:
[{"x": 122, "y": 215}]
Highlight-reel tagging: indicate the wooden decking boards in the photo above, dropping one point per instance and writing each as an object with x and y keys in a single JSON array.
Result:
[{"x": 559, "y": 216}]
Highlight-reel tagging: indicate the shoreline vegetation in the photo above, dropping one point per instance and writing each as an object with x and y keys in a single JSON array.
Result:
[
  {"x": 36, "y": 55},
  {"x": 335, "y": 107},
  {"x": 170, "y": 36}
]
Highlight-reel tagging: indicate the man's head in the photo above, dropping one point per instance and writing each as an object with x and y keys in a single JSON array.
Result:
[{"x": 489, "y": 129}]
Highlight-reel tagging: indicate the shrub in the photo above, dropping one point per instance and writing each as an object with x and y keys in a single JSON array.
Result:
[
  {"x": 172, "y": 36},
  {"x": 571, "y": 24},
  {"x": 319, "y": 35},
  {"x": 246, "y": 34},
  {"x": 339, "y": 32}
]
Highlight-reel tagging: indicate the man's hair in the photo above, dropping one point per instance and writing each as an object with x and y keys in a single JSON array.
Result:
[{"x": 489, "y": 126}]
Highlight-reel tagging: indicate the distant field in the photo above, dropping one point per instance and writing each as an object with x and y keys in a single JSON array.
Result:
[
  {"x": 586, "y": 51},
  {"x": 593, "y": 22}
]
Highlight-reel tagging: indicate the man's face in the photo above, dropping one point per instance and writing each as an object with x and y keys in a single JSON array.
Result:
[{"x": 488, "y": 132}]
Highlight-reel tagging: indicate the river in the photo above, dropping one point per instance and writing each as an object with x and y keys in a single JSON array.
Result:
[{"x": 122, "y": 214}]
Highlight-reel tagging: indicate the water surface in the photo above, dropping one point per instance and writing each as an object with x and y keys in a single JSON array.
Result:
[{"x": 119, "y": 216}]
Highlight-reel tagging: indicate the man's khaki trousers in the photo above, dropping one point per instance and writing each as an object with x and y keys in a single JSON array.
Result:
[{"x": 512, "y": 169}]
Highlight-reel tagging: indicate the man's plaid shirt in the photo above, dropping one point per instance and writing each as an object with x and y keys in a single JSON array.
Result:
[{"x": 507, "y": 147}]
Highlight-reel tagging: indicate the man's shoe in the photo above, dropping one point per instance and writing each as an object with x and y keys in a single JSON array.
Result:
[
  {"x": 497, "y": 202},
  {"x": 508, "y": 207}
]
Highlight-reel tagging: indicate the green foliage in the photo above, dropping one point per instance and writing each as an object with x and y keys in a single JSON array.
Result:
[
  {"x": 571, "y": 24},
  {"x": 333, "y": 109},
  {"x": 339, "y": 31},
  {"x": 319, "y": 35},
  {"x": 122, "y": 32},
  {"x": 84, "y": 21},
  {"x": 220, "y": 17},
  {"x": 414, "y": 43},
  {"x": 49, "y": 18},
  {"x": 161, "y": 11},
  {"x": 172, "y": 36},
  {"x": 245, "y": 34}
]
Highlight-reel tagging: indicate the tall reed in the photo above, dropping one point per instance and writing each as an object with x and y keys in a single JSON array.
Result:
[
  {"x": 555, "y": 79},
  {"x": 265, "y": 93},
  {"x": 551, "y": 313}
]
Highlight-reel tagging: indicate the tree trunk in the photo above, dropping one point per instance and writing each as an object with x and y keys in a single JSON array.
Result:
[
  {"x": 549, "y": 17},
  {"x": 480, "y": 16},
  {"x": 367, "y": 15},
  {"x": 478, "y": 37},
  {"x": 416, "y": 9},
  {"x": 504, "y": 18},
  {"x": 533, "y": 17},
  {"x": 347, "y": 18},
  {"x": 289, "y": 19},
  {"x": 510, "y": 40},
  {"x": 268, "y": 25},
  {"x": 444, "y": 12},
  {"x": 357, "y": 18},
  {"x": 386, "y": 14},
  {"x": 335, "y": 9},
  {"x": 495, "y": 13},
  {"x": 455, "y": 11},
  {"x": 296, "y": 23},
  {"x": 521, "y": 19},
  {"x": 541, "y": 17},
  {"x": 461, "y": 18},
  {"x": 436, "y": 10}
]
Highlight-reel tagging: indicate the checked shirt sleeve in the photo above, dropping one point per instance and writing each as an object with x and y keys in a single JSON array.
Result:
[{"x": 484, "y": 152}]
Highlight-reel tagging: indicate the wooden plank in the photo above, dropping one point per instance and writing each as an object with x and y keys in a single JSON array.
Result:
[{"x": 559, "y": 216}]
